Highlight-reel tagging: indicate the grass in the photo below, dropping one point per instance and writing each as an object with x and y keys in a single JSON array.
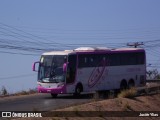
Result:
[
  {"x": 23, "y": 92},
  {"x": 4, "y": 92},
  {"x": 130, "y": 93}
]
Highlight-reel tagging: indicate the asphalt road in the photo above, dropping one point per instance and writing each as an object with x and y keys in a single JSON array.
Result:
[
  {"x": 43, "y": 102},
  {"x": 40, "y": 102}
]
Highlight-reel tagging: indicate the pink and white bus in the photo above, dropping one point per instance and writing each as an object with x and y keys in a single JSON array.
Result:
[{"x": 88, "y": 69}]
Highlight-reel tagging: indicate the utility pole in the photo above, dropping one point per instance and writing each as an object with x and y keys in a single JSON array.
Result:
[{"x": 136, "y": 44}]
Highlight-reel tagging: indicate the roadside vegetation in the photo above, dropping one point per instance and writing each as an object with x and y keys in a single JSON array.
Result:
[
  {"x": 153, "y": 74},
  {"x": 23, "y": 92},
  {"x": 130, "y": 93},
  {"x": 4, "y": 92}
]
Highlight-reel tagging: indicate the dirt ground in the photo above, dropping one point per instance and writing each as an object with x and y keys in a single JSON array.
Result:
[{"x": 143, "y": 104}]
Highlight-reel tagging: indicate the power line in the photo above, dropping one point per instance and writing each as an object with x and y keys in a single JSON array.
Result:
[
  {"x": 19, "y": 53},
  {"x": 17, "y": 76},
  {"x": 29, "y": 34},
  {"x": 24, "y": 42}
]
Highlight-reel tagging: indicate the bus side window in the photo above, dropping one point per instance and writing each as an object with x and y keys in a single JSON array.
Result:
[{"x": 83, "y": 61}]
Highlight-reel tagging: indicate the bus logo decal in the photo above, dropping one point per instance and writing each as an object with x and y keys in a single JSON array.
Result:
[{"x": 96, "y": 74}]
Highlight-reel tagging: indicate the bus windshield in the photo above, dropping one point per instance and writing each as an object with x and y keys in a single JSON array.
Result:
[{"x": 51, "y": 68}]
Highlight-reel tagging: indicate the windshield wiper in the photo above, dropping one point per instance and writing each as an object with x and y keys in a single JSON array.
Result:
[{"x": 53, "y": 79}]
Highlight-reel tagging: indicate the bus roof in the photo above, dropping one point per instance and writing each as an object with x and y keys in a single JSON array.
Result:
[
  {"x": 128, "y": 49},
  {"x": 66, "y": 52},
  {"x": 90, "y": 49}
]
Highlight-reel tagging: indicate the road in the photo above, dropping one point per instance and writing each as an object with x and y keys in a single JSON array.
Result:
[
  {"x": 40, "y": 102},
  {"x": 43, "y": 102}
]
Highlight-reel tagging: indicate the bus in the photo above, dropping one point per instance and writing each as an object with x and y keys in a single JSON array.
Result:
[{"x": 89, "y": 69}]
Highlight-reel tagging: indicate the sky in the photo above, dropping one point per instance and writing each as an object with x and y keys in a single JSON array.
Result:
[{"x": 30, "y": 27}]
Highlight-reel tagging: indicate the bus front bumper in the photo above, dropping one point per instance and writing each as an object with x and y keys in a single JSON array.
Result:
[{"x": 58, "y": 90}]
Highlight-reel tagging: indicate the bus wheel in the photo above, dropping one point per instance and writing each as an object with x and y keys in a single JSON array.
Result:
[
  {"x": 123, "y": 85},
  {"x": 131, "y": 84},
  {"x": 54, "y": 95},
  {"x": 78, "y": 90}
]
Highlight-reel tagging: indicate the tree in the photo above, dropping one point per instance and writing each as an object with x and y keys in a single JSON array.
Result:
[
  {"x": 4, "y": 91},
  {"x": 153, "y": 74}
]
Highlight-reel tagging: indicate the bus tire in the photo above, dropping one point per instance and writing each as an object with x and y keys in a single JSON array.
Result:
[
  {"x": 123, "y": 85},
  {"x": 54, "y": 95},
  {"x": 78, "y": 89},
  {"x": 131, "y": 84}
]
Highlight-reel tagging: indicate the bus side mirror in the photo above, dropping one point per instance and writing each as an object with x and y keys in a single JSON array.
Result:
[
  {"x": 65, "y": 65},
  {"x": 34, "y": 66}
]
